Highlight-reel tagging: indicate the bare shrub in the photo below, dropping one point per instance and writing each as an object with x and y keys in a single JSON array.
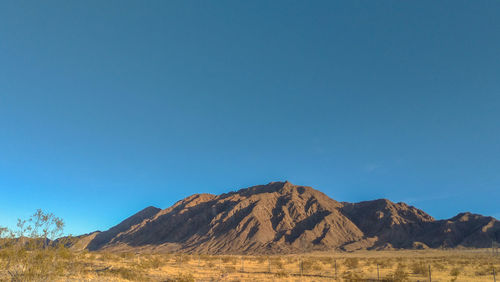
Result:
[
  {"x": 182, "y": 277},
  {"x": 385, "y": 263},
  {"x": 186, "y": 258},
  {"x": 30, "y": 252},
  {"x": 277, "y": 263},
  {"x": 350, "y": 275},
  {"x": 125, "y": 273},
  {"x": 326, "y": 260},
  {"x": 151, "y": 262},
  {"x": 440, "y": 266},
  {"x": 400, "y": 274},
  {"x": 260, "y": 259},
  {"x": 483, "y": 270},
  {"x": 455, "y": 271},
  {"x": 351, "y": 263},
  {"x": 229, "y": 259},
  {"x": 281, "y": 274},
  {"x": 126, "y": 255},
  {"x": 311, "y": 265},
  {"x": 419, "y": 268}
]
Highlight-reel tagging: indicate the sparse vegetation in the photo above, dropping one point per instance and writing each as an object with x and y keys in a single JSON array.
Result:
[
  {"x": 455, "y": 271},
  {"x": 352, "y": 262},
  {"x": 400, "y": 274},
  {"x": 277, "y": 263},
  {"x": 419, "y": 268},
  {"x": 31, "y": 253},
  {"x": 311, "y": 264}
]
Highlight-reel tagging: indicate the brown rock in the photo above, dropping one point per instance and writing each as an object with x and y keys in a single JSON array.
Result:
[{"x": 284, "y": 218}]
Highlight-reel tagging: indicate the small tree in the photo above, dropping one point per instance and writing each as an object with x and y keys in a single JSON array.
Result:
[{"x": 30, "y": 252}]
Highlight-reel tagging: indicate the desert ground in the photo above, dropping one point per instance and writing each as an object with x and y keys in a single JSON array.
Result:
[{"x": 406, "y": 265}]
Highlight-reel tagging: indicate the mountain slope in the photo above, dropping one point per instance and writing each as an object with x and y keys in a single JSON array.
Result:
[
  {"x": 105, "y": 237},
  {"x": 284, "y": 218},
  {"x": 394, "y": 224}
]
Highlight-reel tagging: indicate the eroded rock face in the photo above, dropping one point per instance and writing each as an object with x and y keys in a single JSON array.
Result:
[
  {"x": 284, "y": 218},
  {"x": 103, "y": 238},
  {"x": 393, "y": 223}
]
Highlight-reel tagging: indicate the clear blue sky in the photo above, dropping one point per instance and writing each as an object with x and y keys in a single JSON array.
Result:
[{"x": 107, "y": 107}]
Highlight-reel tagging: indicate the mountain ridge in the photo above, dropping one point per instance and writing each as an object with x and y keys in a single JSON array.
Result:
[{"x": 280, "y": 217}]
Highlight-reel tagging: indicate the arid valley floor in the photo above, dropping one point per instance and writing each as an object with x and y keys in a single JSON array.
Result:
[{"x": 407, "y": 265}]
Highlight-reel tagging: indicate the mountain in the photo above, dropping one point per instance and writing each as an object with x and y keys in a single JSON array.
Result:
[{"x": 284, "y": 218}]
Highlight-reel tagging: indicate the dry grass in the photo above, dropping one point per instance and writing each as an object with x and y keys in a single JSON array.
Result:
[{"x": 453, "y": 265}]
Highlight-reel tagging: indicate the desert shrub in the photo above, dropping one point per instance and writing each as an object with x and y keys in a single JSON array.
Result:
[
  {"x": 455, "y": 271},
  {"x": 325, "y": 260},
  {"x": 277, "y": 263},
  {"x": 439, "y": 266},
  {"x": 371, "y": 261},
  {"x": 260, "y": 259},
  {"x": 151, "y": 262},
  {"x": 281, "y": 274},
  {"x": 229, "y": 259},
  {"x": 106, "y": 256},
  {"x": 125, "y": 273},
  {"x": 484, "y": 270},
  {"x": 204, "y": 258},
  {"x": 385, "y": 263},
  {"x": 127, "y": 256},
  {"x": 400, "y": 274},
  {"x": 464, "y": 262},
  {"x": 179, "y": 259},
  {"x": 311, "y": 265},
  {"x": 64, "y": 253},
  {"x": 306, "y": 265},
  {"x": 350, "y": 275},
  {"x": 186, "y": 258},
  {"x": 31, "y": 253},
  {"x": 351, "y": 263},
  {"x": 419, "y": 268},
  {"x": 182, "y": 277}
]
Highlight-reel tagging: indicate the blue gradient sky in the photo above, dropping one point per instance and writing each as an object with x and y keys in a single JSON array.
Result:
[{"x": 107, "y": 107}]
